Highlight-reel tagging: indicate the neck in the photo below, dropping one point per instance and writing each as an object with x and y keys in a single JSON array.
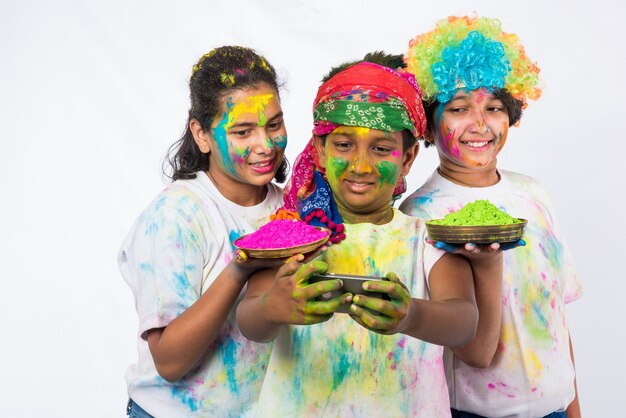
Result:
[
  {"x": 470, "y": 177},
  {"x": 380, "y": 216},
  {"x": 243, "y": 194}
]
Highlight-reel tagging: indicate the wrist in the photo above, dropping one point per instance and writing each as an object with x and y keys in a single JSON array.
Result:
[
  {"x": 238, "y": 273},
  {"x": 406, "y": 323},
  {"x": 491, "y": 261}
]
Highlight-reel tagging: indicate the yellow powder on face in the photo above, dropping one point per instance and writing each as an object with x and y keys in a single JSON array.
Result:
[
  {"x": 252, "y": 104},
  {"x": 351, "y": 130},
  {"x": 479, "y": 212}
]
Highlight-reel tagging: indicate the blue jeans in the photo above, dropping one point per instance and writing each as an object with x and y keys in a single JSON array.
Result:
[
  {"x": 135, "y": 411},
  {"x": 461, "y": 414}
]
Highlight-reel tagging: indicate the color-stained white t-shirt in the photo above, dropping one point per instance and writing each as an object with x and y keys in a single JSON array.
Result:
[
  {"x": 172, "y": 254},
  {"x": 340, "y": 369},
  {"x": 532, "y": 374}
]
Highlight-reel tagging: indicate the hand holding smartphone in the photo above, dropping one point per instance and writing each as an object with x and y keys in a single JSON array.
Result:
[{"x": 351, "y": 283}]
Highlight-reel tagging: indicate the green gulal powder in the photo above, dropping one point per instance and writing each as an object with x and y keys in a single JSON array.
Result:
[{"x": 480, "y": 212}]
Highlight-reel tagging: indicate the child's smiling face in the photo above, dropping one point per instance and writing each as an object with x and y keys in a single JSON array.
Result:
[
  {"x": 362, "y": 167},
  {"x": 471, "y": 129},
  {"x": 249, "y": 138}
]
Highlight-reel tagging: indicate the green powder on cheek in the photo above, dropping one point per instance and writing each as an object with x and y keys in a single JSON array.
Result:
[
  {"x": 335, "y": 167},
  {"x": 480, "y": 212},
  {"x": 388, "y": 172}
]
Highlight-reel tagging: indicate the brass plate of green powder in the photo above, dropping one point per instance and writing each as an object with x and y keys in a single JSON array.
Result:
[{"x": 478, "y": 234}]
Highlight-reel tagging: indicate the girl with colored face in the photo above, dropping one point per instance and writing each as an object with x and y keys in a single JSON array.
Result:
[
  {"x": 246, "y": 142},
  {"x": 179, "y": 258},
  {"x": 471, "y": 129}
]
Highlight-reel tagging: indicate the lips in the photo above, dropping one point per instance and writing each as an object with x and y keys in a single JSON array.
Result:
[
  {"x": 262, "y": 167},
  {"x": 477, "y": 145},
  {"x": 359, "y": 185}
]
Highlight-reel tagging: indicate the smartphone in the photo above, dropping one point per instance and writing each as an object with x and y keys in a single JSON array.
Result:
[{"x": 351, "y": 283}]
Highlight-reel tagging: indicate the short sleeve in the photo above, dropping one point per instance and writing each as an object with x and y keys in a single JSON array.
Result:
[
  {"x": 430, "y": 255},
  {"x": 569, "y": 282},
  {"x": 162, "y": 260}
]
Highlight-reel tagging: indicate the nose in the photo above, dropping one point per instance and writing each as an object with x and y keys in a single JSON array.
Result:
[
  {"x": 361, "y": 164},
  {"x": 480, "y": 126},
  {"x": 263, "y": 144}
]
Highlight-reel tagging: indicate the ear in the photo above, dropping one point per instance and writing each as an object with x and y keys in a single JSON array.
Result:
[
  {"x": 320, "y": 146},
  {"x": 409, "y": 157},
  {"x": 202, "y": 138}
]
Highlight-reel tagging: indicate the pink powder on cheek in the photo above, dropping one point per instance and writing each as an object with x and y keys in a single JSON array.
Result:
[
  {"x": 447, "y": 143},
  {"x": 281, "y": 233}
]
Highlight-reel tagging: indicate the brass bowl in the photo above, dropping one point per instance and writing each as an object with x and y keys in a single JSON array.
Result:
[
  {"x": 284, "y": 252},
  {"x": 478, "y": 234}
]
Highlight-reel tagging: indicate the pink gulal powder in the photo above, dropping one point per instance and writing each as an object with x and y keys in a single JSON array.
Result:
[{"x": 281, "y": 233}]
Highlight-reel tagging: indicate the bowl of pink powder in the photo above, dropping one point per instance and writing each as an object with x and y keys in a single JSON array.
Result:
[
  {"x": 283, "y": 238},
  {"x": 479, "y": 222}
]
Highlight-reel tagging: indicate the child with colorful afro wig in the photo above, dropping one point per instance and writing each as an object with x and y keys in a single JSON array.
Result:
[{"x": 475, "y": 81}]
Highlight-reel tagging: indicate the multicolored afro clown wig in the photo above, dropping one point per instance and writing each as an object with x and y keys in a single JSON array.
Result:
[{"x": 473, "y": 52}]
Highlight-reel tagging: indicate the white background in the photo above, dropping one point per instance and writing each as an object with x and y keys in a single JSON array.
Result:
[{"x": 93, "y": 93}]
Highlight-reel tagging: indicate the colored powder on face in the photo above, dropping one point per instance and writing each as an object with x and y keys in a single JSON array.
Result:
[
  {"x": 357, "y": 131},
  {"x": 280, "y": 141},
  {"x": 240, "y": 154},
  {"x": 388, "y": 172},
  {"x": 335, "y": 167},
  {"x": 479, "y": 212},
  {"x": 281, "y": 233}
]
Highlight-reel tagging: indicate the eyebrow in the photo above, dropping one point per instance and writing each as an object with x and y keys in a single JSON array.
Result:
[
  {"x": 252, "y": 124},
  {"x": 383, "y": 136}
]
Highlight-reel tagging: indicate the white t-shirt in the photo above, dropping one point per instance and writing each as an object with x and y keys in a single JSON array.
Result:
[
  {"x": 340, "y": 369},
  {"x": 532, "y": 374},
  {"x": 172, "y": 254}
]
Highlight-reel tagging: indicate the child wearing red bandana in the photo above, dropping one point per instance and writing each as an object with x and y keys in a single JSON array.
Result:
[{"x": 385, "y": 358}]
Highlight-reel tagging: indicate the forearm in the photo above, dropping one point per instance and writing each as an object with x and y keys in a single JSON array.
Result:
[
  {"x": 450, "y": 322},
  {"x": 177, "y": 347},
  {"x": 481, "y": 351},
  {"x": 252, "y": 320}
]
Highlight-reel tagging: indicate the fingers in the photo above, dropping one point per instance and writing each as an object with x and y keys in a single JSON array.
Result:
[
  {"x": 471, "y": 248},
  {"x": 393, "y": 277},
  {"x": 296, "y": 257},
  {"x": 395, "y": 289},
  {"x": 315, "y": 307},
  {"x": 449, "y": 248},
  {"x": 377, "y": 323},
  {"x": 511, "y": 245},
  {"x": 240, "y": 256},
  {"x": 309, "y": 269}
]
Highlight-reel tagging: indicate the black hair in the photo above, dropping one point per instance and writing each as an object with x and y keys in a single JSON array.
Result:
[
  {"x": 386, "y": 60},
  {"x": 215, "y": 75},
  {"x": 511, "y": 104},
  {"x": 376, "y": 57}
]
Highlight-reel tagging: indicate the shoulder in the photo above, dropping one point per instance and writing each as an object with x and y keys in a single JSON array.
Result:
[
  {"x": 274, "y": 193},
  {"x": 179, "y": 198},
  {"x": 419, "y": 203},
  {"x": 178, "y": 209},
  {"x": 527, "y": 185},
  {"x": 412, "y": 225}
]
